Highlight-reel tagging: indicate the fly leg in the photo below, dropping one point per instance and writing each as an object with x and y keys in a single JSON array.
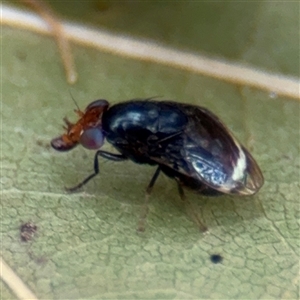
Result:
[
  {"x": 189, "y": 207},
  {"x": 145, "y": 209},
  {"x": 104, "y": 154}
]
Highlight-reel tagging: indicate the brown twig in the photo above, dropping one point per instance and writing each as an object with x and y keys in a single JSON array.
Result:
[{"x": 58, "y": 32}]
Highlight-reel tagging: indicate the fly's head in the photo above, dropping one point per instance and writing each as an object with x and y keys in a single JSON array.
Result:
[{"x": 87, "y": 131}]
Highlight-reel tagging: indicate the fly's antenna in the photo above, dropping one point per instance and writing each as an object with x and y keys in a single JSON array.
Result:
[{"x": 74, "y": 100}]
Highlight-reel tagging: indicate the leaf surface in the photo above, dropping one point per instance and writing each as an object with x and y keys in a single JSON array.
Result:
[{"x": 86, "y": 245}]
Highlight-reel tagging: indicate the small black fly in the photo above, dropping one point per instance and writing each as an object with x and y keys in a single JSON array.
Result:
[{"x": 186, "y": 142}]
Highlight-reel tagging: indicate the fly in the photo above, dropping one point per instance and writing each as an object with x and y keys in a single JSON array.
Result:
[{"x": 188, "y": 143}]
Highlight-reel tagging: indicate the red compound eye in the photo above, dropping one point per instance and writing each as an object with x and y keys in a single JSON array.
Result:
[{"x": 92, "y": 138}]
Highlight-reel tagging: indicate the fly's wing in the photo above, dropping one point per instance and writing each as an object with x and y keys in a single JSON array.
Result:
[{"x": 206, "y": 151}]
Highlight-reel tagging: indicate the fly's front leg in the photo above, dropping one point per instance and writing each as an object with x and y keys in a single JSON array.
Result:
[
  {"x": 104, "y": 154},
  {"x": 144, "y": 212},
  {"x": 189, "y": 207}
]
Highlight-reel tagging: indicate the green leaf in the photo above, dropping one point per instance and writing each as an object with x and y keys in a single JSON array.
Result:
[{"x": 86, "y": 245}]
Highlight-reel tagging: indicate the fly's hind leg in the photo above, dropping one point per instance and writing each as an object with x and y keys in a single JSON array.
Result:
[
  {"x": 145, "y": 209},
  {"x": 189, "y": 207}
]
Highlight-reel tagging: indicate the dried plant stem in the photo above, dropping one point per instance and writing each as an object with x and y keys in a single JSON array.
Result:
[{"x": 59, "y": 34}]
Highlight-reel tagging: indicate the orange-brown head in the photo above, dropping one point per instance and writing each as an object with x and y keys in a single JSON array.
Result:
[{"x": 87, "y": 131}]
